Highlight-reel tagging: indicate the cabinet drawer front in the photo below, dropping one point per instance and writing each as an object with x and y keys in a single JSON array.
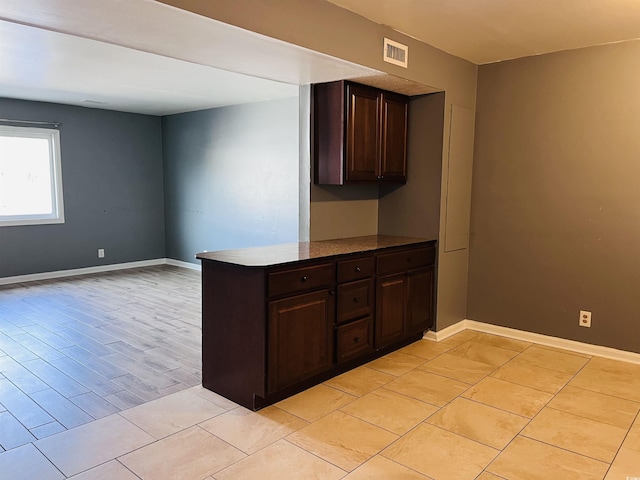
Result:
[
  {"x": 349, "y": 270},
  {"x": 355, "y": 300},
  {"x": 406, "y": 260},
  {"x": 354, "y": 339},
  {"x": 301, "y": 279}
]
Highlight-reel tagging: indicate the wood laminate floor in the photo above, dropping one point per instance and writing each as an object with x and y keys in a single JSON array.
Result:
[
  {"x": 78, "y": 349},
  {"x": 100, "y": 380}
]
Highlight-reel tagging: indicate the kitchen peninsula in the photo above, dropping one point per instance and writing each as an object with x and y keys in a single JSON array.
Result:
[{"x": 281, "y": 318}]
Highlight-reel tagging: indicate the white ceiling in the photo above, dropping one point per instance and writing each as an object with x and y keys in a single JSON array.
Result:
[
  {"x": 147, "y": 57},
  {"x": 39, "y": 64},
  {"x": 486, "y": 31}
]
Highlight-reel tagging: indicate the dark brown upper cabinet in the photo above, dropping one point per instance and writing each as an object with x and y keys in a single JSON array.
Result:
[{"x": 359, "y": 134}]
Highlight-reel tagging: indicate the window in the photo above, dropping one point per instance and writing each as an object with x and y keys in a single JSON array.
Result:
[{"x": 30, "y": 176}]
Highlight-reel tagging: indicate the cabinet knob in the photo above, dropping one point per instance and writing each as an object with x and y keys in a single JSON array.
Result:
[
  {"x": 357, "y": 269},
  {"x": 356, "y": 339},
  {"x": 332, "y": 292},
  {"x": 303, "y": 279},
  {"x": 356, "y": 299}
]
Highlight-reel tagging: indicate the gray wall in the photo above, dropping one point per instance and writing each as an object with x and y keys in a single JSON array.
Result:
[
  {"x": 113, "y": 198},
  {"x": 231, "y": 177},
  {"x": 413, "y": 210},
  {"x": 555, "y": 206}
]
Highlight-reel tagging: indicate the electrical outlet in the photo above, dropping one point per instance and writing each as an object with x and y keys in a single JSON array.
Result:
[
  {"x": 101, "y": 253},
  {"x": 585, "y": 319}
]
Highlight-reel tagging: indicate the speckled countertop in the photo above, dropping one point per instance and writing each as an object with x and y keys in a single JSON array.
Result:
[{"x": 295, "y": 252}]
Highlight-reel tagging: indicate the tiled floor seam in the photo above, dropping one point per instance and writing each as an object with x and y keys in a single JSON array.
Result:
[
  {"x": 635, "y": 419},
  {"x": 406, "y": 466},
  {"x": 487, "y": 468},
  {"x": 582, "y": 416},
  {"x": 566, "y": 449},
  {"x": 601, "y": 393},
  {"x": 534, "y": 388},
  {"x": 49, "y": 460},
  {"x": 478, "y": 441},
  {"x": 468, "y": 438},
  {"x": 383, "y": 428},
  {"x": 546, "y": 443}
]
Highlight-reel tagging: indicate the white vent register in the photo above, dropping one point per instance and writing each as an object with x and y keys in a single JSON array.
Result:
[{"x": 395, "y": 53}]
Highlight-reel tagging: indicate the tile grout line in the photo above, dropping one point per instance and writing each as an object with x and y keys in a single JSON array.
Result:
[{"x": 636, "y": 418}]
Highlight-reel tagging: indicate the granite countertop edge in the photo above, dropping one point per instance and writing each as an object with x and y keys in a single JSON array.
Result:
[{"x": 286, "y": 253}]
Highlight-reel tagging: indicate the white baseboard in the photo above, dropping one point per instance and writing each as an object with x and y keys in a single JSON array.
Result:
[
  {"x": 446, "y": 332},
  {"x": 99, "y": 269},
  {"x": 538, "y": 338},
  {"x": 179, "y": 263}
]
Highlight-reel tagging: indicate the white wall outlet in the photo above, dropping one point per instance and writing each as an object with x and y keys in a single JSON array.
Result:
[
  {"x": 585, "y": 319},
  {"x": 101, "y": 253}
]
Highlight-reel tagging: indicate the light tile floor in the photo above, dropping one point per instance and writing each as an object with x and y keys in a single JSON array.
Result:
[
  {"x": 475, "y": 406},
  {"x": 370, "y": 424}
]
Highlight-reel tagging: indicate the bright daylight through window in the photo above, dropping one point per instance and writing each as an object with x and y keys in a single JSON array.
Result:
[{"x": 30, "y": 176}]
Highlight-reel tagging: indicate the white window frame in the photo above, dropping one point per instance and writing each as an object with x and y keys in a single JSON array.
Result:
[{"x": 55, "y": 165}]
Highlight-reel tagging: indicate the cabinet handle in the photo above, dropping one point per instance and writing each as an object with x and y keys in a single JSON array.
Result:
[
  {"x": 357, "y": 269},
  {"x": 355, "y": 300},
  {"x": 356, "y": 339},
  {"x": 303, "y": 279}
]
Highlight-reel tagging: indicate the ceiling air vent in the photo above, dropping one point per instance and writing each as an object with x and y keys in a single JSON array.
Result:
[{"x": 395, "y": 53}]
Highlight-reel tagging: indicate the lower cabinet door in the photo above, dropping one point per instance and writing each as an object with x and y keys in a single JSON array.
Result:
[
  {"x": 354, "y": 339},
  {"x": 300, "y": 338},
  {"x": 391, "y": 297},
  {"x": 419, "y": 300}
]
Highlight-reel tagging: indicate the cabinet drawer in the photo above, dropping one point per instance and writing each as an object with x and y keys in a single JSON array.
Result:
[
  {"x": 354, "y": 339},
  {"x": 349, "y": 270},
  {"x": 301, "y": 279},
  {"x": 355, "y": 300},
  {"x": 406, "y": 260}
]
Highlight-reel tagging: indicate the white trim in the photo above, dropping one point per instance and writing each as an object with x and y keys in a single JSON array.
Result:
[
  {"x": 99, "y": 269},
  {"x": 571, "y": 345},
  {"x": 52, "y": 136},
  {"x": 181, "y": 264},
  {"x": 445, "y": 332}
]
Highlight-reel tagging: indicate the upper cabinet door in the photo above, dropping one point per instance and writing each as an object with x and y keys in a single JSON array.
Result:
[
  {"x": 359, "y": 134},
  {"x": 393, "y": 162},
  {"x": 362, "y": 134}
]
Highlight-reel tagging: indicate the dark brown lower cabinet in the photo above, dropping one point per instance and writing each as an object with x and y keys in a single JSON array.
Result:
[
  {"x": 404, "y": 305},
  {"x": 390, "y": 309},
  {"x": 272, "y": 330},
  {"x": 300, "y": 338},
  {"x": 419, "y": 300},
  {"x": 404, "y": 294}
]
